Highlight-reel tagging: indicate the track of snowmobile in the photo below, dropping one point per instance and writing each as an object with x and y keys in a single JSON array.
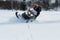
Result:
[{"x": 46, "y": 26}]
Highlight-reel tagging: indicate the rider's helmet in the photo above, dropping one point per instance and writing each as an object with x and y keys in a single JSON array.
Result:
[{"x": 36, "y": 5}]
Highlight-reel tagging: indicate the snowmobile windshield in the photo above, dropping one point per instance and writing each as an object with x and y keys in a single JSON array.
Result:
[{"x": 33, "y": 11}]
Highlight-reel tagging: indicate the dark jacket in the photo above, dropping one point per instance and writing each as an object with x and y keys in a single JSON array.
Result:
[{"x": 38, "y": 11}]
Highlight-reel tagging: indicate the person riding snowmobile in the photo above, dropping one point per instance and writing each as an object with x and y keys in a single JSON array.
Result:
[
  {"x": 33, "y": 12},
  {"x": 37, "y": 8}
]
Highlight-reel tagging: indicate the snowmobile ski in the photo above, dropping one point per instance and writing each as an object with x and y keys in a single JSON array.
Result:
[{"x": 17, "y": 15}]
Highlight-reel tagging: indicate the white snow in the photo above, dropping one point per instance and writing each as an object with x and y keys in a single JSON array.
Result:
[
  {"x": 53, "y": 1},
  {"x": 45, "y": 27}
]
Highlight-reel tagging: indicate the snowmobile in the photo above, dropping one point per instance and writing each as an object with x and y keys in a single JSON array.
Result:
[{"x": 28, "y": 17}]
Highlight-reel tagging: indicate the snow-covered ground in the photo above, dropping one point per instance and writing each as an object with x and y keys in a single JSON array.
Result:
[{"x": 45, "y": 27}]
